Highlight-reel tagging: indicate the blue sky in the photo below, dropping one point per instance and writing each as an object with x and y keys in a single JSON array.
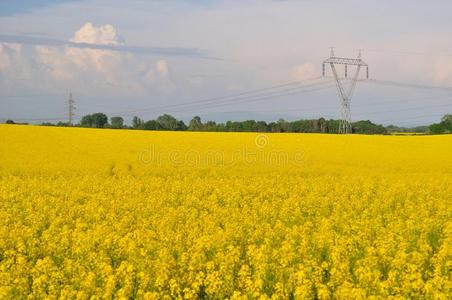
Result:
[
  {"x": 261, "y": 43},
  {"x": 12, "y": 7}
]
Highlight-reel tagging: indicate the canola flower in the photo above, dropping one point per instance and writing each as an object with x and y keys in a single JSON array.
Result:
[{"x": 102, "y": 214}]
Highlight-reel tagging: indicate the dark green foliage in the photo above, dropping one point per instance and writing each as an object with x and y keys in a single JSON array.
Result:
[
  {"x": 367, "y": 127},
  {"x": 234, "y": 126},
  {"x": 99, "y": 120},
  {"x": 300, "y": 126},
  {"x": 283, "y": 125},
  {"x": 59, "y": 124},
  {"x": 47, "y": 124},
  {"x": 333, "y": 126},
  {"x": 96, "y": 120},
  {"x": 181, "y": 126},
  {"x": 167, "y": 122},
  {"x": 137, "y": 123},
  {"x": 417, "y": 129},
  {"x": 117, "y": 122},
  {"x": 436, "y": 128},
  {"x": 195, "y": 124},
  {"x": 261, "y": 126},
  {"x": 152, "y": 125},
  {"x": 248, "y": 125},
  {"x": 63, "y": 124},
  {"x": 445, "y": 126},
  {"x": 170, "y": 123},
  {"x": 12, "y": 122}
]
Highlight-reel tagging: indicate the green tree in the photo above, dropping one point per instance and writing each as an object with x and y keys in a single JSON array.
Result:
[
  {"x": 195, "y": 124},
  {"x": 445, "y": 126},
  {"x": 283, "y": 125},
  {"x": 181, "y": 126},
  {"x": 367, "y": 127},
  {"x": 234, "y": 126},
  {"x": 47, "y": 124},
  {"x": 333, "y": 126},
  {"x": 436, "y": 128},
  {"x": 152, "y": 125},
  {"x": 137, "y": 123},
  {"x": 300, "y": 126},
  {"x": 323, "y": 125},
  {"x": 221, "y": 127},
  {"x": 99, "y": 120},
  {"x": 248, "y": 125},
  {"x": 210, "y": 126},
  {"x": 87, "y": 121},
  {"x": 63, "y": 124},
  {"x": 117, "y": 122},
  {"x": 446, "y": 122},
  {"x": 167, "y": 122},
  {"x": 261, "y": 126},
  {"x": 274, "y": 127}
]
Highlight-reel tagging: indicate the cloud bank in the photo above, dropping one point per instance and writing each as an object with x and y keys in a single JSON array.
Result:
[
  {"x": 94, "y": 58},
  {"x": 120, "y": 47}
]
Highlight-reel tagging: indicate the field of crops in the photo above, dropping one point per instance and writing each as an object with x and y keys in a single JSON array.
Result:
[{"x": 161, "y": 215}]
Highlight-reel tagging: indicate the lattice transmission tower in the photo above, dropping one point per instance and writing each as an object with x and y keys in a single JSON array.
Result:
[
  {"x": 71, "y": 109},
  {"x": 345, "y": 95}
]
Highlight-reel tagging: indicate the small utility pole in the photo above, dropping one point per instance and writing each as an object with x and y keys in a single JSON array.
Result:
[
  {"x": 345, "y": 96},
  {"x": 71, "y": 109}
]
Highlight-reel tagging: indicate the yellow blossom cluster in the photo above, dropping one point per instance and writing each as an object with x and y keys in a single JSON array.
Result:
[{"x": 102, "y": 214}]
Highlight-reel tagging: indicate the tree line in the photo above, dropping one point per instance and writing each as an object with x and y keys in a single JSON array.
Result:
[
  {"x": 321, "y": 125},
  {"x": 445, "y": 126},
  {"x": 170, "y": 123}
]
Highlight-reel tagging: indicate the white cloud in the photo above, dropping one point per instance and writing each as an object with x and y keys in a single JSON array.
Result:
[
  {"x": 304, "y": 71},
  {"x": 89, "y": 68},
  {"x": 159, "y": 75},
  {"x": 14, "y": 67},
  {"x": 158, "y": 72},
  {"x": 94, "y": 71},
  {"x": 7, "y": 54},
  {"x": 103, "y": 35},
  {"x": 442, "y": 71}
]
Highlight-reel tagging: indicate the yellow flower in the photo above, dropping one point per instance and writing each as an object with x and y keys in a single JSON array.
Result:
[{"x": 95, "y": 214}]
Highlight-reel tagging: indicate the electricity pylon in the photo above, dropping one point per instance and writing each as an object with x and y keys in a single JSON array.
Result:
[
  {"x": 71, "y": 109},
  {"x": 345, "y": 96}
]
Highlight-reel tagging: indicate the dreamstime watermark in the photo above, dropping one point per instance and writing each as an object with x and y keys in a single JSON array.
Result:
[
  {"x": 259, "y": 153},
  {"x": 261, "y": 140}
]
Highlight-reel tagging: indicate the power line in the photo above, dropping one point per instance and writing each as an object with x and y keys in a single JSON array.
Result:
[
  {"x": 399, "y": 120},
  {"x": 362, "y": 114},
  {"x": 245, "y": 100},
  {"x": 237, "y": 98},
  {"x": 362, "y": 104},
  {"x": 230, "y": 97},
  {"x": 276, "y": 91},
  {"x": 404, "y": 120},
  {"x": 408, "y": 109},
  {"x": 407, "y": 85},
  {"x": 30, "y": 96},
  {"x": 404, "y": 52},
  {"x": 241, "y": 100}
]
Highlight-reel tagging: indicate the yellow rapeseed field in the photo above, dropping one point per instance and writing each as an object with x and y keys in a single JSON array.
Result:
[{"x": 101, "y": 214}]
